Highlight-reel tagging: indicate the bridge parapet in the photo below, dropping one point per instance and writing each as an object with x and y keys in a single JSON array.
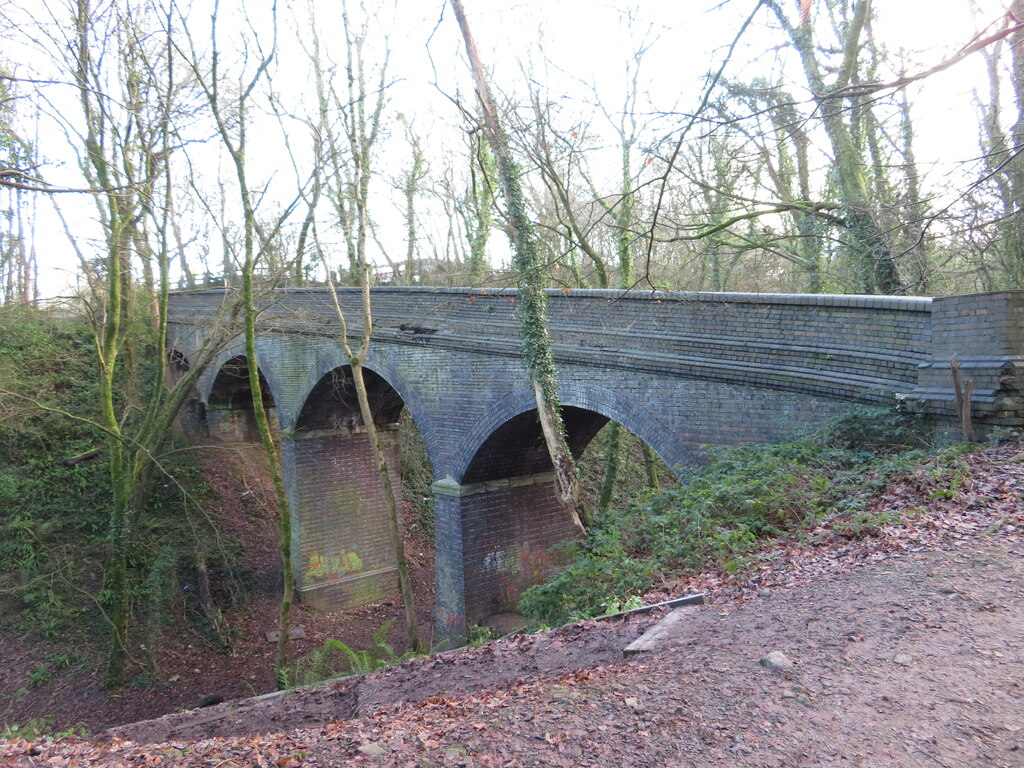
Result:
[
  {"x": 838, "y": 346},
  {"x": 985, "y": 334}
]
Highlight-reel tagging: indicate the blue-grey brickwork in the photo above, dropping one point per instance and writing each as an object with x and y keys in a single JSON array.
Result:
[
  {"x": 508, "y": 530},
  {"x": 680, "y": 370},
  {"x": 985, "y": 333}
]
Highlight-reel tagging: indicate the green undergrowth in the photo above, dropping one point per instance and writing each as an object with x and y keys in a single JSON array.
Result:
[
  {"x": 335, "y": 659},
  {"x": 55, "y": 502},
  {"x": 741, "y": 497},
  {"x": 54, "y": 514},
  {"x": 417, "y": 476},
  {"x": 41, "y": 728}
]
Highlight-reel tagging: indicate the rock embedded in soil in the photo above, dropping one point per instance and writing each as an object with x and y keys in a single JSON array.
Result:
[
  {"x": 635, "y": 704},
  {"x": 778, "y": 662},
  {"x": 373, "y": 750}
]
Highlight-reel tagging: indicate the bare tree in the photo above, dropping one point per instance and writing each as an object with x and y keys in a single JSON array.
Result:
[
  {"x": 18, "y": 161},
  {"x": 531, "y": 303},
  {"x": 411, "y": 181},
  {"x": 349, "y": 154},
  {"x": 867, "y": 241},
  {"x": 118, "y": 59},
  {"x": 230, "y": 104}
]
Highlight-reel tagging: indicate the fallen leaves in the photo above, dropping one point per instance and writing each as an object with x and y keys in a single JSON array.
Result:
[
  {"x": 929, "y": 509},
  {"x": 606, "y": 715}
]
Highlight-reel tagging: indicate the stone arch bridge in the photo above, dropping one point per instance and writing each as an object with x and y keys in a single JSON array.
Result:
[{"x": 679, "y": 370}]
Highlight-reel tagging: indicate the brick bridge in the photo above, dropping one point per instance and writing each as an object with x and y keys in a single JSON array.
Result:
[{"x": 678, "y": 370}]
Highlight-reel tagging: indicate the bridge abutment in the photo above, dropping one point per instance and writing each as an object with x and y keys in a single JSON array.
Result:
[
  {"x": 506, "y": 531},
  {"x": 985, "y": 334}
]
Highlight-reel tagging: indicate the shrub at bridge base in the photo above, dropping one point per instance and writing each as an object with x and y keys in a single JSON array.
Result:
[{"x": 743, "y": 496}]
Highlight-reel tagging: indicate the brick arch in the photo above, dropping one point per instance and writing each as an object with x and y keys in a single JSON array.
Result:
[
  {"x": 594, "y": 399},
  {"x": 192, "y": 413},
  {"x": 332, "y": 359},
  {"x": 233, "y": 374},
  {"x": 268, "y": 372},
  {"x": 225, "y": 410},
  {"x": 342, "y": 555},
  {"x": 332, "y": 403}
]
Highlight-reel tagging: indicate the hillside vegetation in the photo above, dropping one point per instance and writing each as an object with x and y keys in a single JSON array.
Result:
[
  {"x": 53, "y": 525},
  {"x": 55, "y": 494},
  {"x": 824, "y": 483}
]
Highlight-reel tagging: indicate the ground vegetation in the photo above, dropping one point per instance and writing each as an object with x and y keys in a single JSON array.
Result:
[{"x": 904, "y": 640}]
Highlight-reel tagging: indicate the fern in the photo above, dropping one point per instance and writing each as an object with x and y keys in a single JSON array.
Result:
[{"x": 335, "y": 659}]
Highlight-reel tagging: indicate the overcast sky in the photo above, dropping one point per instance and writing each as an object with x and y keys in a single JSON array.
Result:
[{"x": 575, "y": 49}]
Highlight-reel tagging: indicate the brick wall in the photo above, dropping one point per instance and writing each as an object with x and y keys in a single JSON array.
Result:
[
  {"x": 451, "y": 625},
  {"x": 343, "y": 554},
  {"x": 985, "y": 333},
  {"x": 851, "y": 339},
  {"x": 234, "y": 425},
  {"x": 508, "y": 532},
  {"x": 509, "y": 536}
]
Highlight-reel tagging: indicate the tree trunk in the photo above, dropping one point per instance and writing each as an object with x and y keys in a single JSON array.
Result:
[
  {"x": 612, "y": 461},
  {"x": 284, "y": 517},
  {"x": 531, "y": 303},
  {"x": 383, "y": 471},
  {"x": 651, "y": 468}
]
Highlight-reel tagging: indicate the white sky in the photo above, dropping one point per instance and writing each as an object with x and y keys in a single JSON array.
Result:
[{"x": 586, "y": 42}]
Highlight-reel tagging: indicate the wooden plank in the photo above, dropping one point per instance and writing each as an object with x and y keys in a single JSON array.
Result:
[
  {"x": 294, "y": 633},
  {"x": 697, "y": 599},
  {"x": 660, "y": 632}
]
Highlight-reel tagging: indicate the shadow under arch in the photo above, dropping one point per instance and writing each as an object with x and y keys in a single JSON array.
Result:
[
  {"x": 379, "y": 366},
  {"x": 229, "y": 402},
  {"x": 192, "y": 413},
  {"x": 211, "y": 379},
  {"x": 332, "y": 402},
  {"x": 511, "y": 423},
  {"x": 177, "y": 364}
]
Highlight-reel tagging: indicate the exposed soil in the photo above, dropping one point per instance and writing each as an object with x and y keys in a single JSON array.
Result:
[
  {"x": 192, "y": 666},
  {"x": 907, "y": 650}
]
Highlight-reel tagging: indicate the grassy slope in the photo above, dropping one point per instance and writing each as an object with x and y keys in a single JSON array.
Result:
[
  {"x": 53, "y": 520},
  {"x": 53, "y": 524}
]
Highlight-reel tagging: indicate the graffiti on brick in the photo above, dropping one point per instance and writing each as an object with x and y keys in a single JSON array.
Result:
[
  {"x": 227, "y": 424},
  {"x": 330, "y": 566},
  {"x": 514, "y": 569},
  {"x": 449, "y": 621}
]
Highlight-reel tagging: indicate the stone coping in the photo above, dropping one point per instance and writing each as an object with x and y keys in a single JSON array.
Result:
[
  {"x": 449, "y": 486},
  {"x": 906, "y": 303}
]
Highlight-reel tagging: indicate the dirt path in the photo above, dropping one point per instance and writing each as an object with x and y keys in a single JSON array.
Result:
[{"x": 913, "y": 661}]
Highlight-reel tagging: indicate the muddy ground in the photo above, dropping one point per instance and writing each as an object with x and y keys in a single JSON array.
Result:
[{"x": 906, "y": 649}]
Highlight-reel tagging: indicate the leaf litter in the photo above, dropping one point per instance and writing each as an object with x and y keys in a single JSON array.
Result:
[{"x": 906, "y": 646}]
